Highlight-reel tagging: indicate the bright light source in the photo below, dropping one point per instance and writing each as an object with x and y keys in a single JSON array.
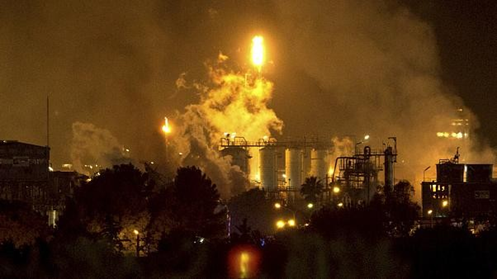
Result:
[
  {"x": 165, "y": 128},
  {"x": 310, "y": 205},
  {"x": 366, "y": 137},
  {"x": 284, "y": 175},
  {"x": 136, "y": 232},
  {"x": 330, "y": 171},
  {"x": 280, "y": 224},
  {"x": 244, "y": 264},
  {"x": 430, "y": 212},
  {"x": 277, "y": 205},
  {"x": 291, "y": 223},
  {"x": 445, "y": 203},
  {"x": 258, "y": 52},
  {"x": 336, "y": 190},
  {"x": 340, "y": 204}
]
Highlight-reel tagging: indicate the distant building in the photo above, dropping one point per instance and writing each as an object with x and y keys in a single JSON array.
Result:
[
  {"x": 461, "y": 190},
  {"x": 24, "y": 171},
  {"x": 25, "y": 175},
  {"x": 459, "y": 127}
]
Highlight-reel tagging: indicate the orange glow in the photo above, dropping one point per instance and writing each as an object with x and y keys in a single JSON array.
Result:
[
  {"x": 165, "y": 128},
  {"x": 244, "y": 262}
]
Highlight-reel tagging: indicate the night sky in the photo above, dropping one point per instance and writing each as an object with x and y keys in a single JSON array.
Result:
[
  {"x": 467, "y": 39},
  {"x": 339, "y": 67}
]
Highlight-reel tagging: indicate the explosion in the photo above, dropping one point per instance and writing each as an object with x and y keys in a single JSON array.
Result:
[{"x": 233, "y": 102}]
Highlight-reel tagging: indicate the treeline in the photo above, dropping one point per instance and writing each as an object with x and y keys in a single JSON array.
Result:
[{"x": 182, "y": 229}]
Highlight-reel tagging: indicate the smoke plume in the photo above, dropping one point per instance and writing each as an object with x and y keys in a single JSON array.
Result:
[
  {"x": 94, "y": 146},
  {"x": 340, "y": 67},
  {"x": 377, "y": 69},
  {"x": 230, "y": 102}
]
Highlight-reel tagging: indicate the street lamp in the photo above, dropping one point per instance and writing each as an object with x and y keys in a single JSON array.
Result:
[
  {"x": 291, "y": 223},
  {"x": 365, "y": 139},
  {"x": 336, "y": 189},
  {"x": 280, "y": 224},
  {"x": 278, "y": 206},
  {"x": 137, "y": 233},
  {"x": 445, "y": 203}
]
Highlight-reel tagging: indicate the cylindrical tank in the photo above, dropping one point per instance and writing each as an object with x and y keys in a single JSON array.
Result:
[
  {"x": 293, "y": 167},
  {"x": 239, "y": 157},
  {"x": 268, "y": 168},
  {"x": 319, "y": 163}
]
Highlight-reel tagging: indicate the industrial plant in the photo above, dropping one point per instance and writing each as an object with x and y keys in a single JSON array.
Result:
[
  {"x": 281, "y": 167},
  {"x": 466, "y": 191}
]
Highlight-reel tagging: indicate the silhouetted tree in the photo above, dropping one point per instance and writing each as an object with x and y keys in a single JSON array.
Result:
[
  {"x": 112, "y": 205},
  {"x": 20, "y": 224},
  {"x": 253, "y": 206},
  {"x": 311, "y": 189},
  {"x": 401, "y": 212},
  {"x": 195, "y": 208}
]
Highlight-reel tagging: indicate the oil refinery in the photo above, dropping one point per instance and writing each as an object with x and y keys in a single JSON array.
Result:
[{"x": 281, "y": 167}]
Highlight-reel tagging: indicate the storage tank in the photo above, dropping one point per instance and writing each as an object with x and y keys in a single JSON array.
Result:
[
  {"x": 268, "y": 168},
  {"x": 239, "y": 157},
  {"x": 293, "y": 167},
  {"x": 319, "y": 163}
]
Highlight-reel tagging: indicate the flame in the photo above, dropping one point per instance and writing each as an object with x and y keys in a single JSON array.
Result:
[
  {"x": 228, "y": 103},
  {"x": 258, "y": 52},
  {"x": 165, "y": 128}
]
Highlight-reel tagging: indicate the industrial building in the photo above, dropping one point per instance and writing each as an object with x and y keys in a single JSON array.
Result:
[
  {"x": 460, "y": 190},
  {"x": 25, "y": 175},
  {"x": 281, "y": 167},
  {"x": 24, "y": 171},
  {"x": 357, "y": 176}
]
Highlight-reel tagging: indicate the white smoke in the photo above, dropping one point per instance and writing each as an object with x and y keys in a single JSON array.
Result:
[{"x": 229, "y": 102}]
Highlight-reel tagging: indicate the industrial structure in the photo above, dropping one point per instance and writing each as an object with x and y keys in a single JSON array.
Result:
[
  {"x": 25, "y": 175},
  {"x": 460, "y": 190},
  {"x": 358, "y": 175},
  {"x": 283, "y": 166}
]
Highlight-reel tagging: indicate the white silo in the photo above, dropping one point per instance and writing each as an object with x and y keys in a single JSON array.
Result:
[
  {"x": 293, "y": 167},
  {"x": 319, "y": 163},
  {"x": 268, "y": 168}
]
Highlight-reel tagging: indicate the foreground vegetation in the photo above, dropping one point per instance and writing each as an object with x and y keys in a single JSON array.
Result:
[{"x": 179, "y": 231}]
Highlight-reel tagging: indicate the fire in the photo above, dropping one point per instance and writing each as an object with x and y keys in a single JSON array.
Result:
[
  {"x": 165, "y": 128},
  {"x": 229, "y": 103},
  {"x": 258, "y": 52}
]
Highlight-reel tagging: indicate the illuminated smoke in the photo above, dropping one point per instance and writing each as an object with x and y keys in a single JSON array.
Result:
[
  {"x": 229, "y": 102},
  {"x": 95, "y": 146},
  {"x": 377, "y": 68}
]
